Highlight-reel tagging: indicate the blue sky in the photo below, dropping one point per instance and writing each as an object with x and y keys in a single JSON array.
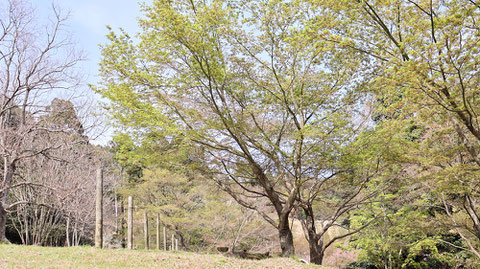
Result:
[
  {"x": 88, "y": 20},
  {"x": 87, "y": 26}
]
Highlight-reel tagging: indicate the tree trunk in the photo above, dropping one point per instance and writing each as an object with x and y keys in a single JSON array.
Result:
[
  {"x": 8, "y": 170},
  {"x": 182, "y": 241},
  {"x": 145, "y": 228},
  {"x": 75, "y": 234},
  {"x": 282, "y": 209},
  {"x": 3, "y": 222},
  {"x": 316, "y": 251},
  {"x": 27, "y": 241},
  {"x": 469, "y": 206},
  {"x": 286, "y": 237},
  {"x": 67, "y": 232},
  {"x": 315, "y": 242}
]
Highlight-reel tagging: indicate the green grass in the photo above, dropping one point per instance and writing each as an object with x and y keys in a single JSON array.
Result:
[{"x": 16, "y": 256}]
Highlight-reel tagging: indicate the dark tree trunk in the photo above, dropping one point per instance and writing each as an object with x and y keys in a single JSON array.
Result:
[
  {"x": 316, "y": 251},
  {"x": 183, "y": 243},
  {"x": 315, "y": 242},
  {"x": 3, "y": 221},
  {"x": 282, "y": 209},
  {"x": 286, "y": 237},
  {"x": 8, "y": 169}
]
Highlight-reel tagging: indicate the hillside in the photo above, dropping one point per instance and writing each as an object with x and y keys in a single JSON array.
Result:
[{"x": 16, "y": 256}]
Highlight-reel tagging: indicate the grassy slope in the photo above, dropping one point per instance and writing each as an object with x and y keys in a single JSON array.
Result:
[{"x": 16, "y": 256}]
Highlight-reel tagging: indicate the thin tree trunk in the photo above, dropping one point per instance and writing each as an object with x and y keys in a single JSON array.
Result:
[
  {"x": 27, "y": 241},
  {"x": 41, "y": 226},
  {"x": 67, "y": 231},
  {"x": 75, "y": 234},
  {"x": 182, "y": 242},
  {"x": 469, "y": 206},
  {"x": 472, "y": 248},
  {"x": 145, "y": 228}
]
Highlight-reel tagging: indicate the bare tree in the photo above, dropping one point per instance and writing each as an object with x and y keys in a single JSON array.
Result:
[
  {"x": 36, "y": 63},
  {"x": 54, "y": 201}
]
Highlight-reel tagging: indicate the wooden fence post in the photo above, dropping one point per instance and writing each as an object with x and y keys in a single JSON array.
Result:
[
  {"x": 158, "y": 231},
  {"x": 130, "y": 223},
  {"x": 164, "y": 238},
  {"x": 116, "y": 212},
  {"x": 123, "y": 234},
  {"x": 145, "y": 217},
  {"x": 99, "y": 210}
]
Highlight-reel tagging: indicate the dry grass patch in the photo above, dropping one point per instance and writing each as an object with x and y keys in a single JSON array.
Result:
[{"x": 16, "y": 256}]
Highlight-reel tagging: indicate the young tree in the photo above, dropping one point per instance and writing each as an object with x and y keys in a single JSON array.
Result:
[{"x": 35, "y": 63}]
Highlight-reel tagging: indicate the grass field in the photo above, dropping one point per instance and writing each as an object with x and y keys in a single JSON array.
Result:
[{"x": 16, "y": 256}]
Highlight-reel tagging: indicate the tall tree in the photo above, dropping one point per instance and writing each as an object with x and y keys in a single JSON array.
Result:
[{"x": 239, "y": 79}]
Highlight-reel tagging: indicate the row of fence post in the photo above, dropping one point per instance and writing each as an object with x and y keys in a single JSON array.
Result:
[
  {"x": 174, "y": 241},
  {"x": 99, "y": 221}
]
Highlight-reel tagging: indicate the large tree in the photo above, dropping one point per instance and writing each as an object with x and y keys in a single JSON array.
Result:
[{"x": 268, "y": 106}]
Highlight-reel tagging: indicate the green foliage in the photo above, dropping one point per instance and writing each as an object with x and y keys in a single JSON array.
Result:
[
  {"x": 194, "y": 209},
  {"x": 424, "y": 61},
  {"x": 268, "y": 107},
  {"x": 259, "y": 94},
  {"x": 409, "y": 232}
]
